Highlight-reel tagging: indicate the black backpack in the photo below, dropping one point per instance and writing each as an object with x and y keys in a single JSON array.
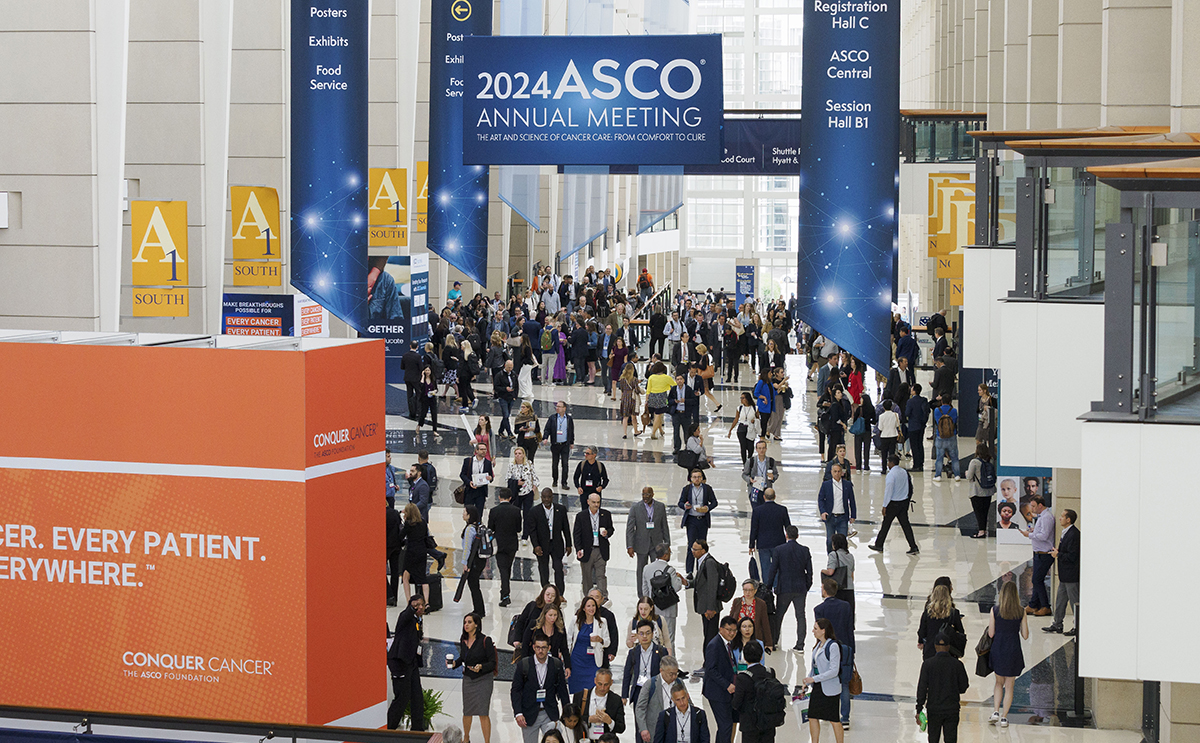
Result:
[
  {"x": 987, "y": 474},
  {"x": 662, "y": 590},
  {"x": 770, "y": 702},
  {"x": 726, "y": 584}
]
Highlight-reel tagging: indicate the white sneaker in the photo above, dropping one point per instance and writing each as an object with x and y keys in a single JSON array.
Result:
[
  {"x": 959, "y": 478},
  {"x": 1003, "y": 722},
  {"x": 938, "y": 478},
  {"x": 994, "y": 718}
]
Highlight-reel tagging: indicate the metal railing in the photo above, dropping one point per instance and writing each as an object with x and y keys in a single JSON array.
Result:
[
  {"x": 85, "y": 719},
  {"x": 661, "y": 299}
]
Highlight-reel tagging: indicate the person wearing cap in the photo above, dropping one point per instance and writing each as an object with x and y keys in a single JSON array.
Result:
[{"x": 943, "y": 681}]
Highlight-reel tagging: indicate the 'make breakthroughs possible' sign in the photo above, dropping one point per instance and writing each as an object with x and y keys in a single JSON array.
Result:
[{"x": 592, "y": 100}]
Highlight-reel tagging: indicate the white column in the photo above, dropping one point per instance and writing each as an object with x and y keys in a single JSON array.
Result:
[
  {"x": 967, "y": 55},
  {"x": 1080, "y": 42},
  {"x": 1041, "y": 69},
  {"x": 1016, "y": 82},
  {"x": 1135, "y": 68},
  {"x": 111, "y": 81},
  {"x": 216, "y": 36},
  {"x": 982, "y": 29},
  {"x": 1185, "y": 66},
  {"x": 995, "y": 90}
]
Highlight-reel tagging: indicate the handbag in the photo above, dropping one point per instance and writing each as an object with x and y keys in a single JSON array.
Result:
[
  {"x": 983, "y": 649},
  {"x": 841, "y": 572},
  {"x": 855, "y": 682},
  {"x": 460, "y": 494},
  {"x": 686, "y": 458},
  {"x": 859, "y": 426}
]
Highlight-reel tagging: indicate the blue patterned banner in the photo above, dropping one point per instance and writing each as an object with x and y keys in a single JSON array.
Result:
[
  {"x": 849, "y": 173},
  {"x": 329, "y": 155},
  {"x": 458, "y": 194}
]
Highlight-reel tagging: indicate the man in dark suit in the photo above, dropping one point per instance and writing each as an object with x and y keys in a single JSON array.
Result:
[
  {"x": 943, "y": 380},
  {"x": 939, "y": 343},
  {"x": 418, "y": 491},
  {"x": 705, "y": 582},
  {"x": 539, "y": 690},
  {"x": 410, "y": 364},
  {"x": 791, "y": 575},
  {"x": 683, "y": 355},
  {"x": 682, "y": 716},
  {"x": 906, "y": 346},
  {"x": 835, "y": 503},
  {"x": 935, "y": 321},
  {"x": 641, "y": 663},
  {"x": 1067, "y": 557},
  {"x": 550, "y": 538},
  {"x": 505, "y": 522},
  {"x": 579, "y": 352},
  {"x": 600, "y": 711},
  {"x": 696, "y": 500},
  {"x": 504, "y": 387},
  {"x": 476, "y": 473},
  {"x": 719, "y": 673},
  {"x": 645, "y": 529},
  {"x": 684, "y": 407},
  {"x": 559, "y": 431},
  {"x": 743, "y": 697},
  {"x": 532, "y": 330},
  {"x": 404, "y": 663},
  {"x": 593, "y": 529},
  {"x": 768, "y": 524},
  {"x": 902, "y": 373},
  {"x": 658, "y": 322},
  {"x": 840, "y": 615},
  {"x": 393, "y": 554}
]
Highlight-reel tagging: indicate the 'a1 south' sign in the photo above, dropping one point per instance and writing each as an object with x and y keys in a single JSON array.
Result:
[{"x": 592, "y": 100}]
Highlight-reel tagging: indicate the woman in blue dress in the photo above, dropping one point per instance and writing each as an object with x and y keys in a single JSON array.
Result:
[
  {"x": 589, "y": 636},
  {"x": 1007, "y": 626}
]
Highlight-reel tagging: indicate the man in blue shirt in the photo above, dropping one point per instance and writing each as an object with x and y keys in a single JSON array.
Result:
[
  {"x": 897, "y": 497},
  {"x": 1041, "y": 534},
  {"x": 945, "y": 439}
]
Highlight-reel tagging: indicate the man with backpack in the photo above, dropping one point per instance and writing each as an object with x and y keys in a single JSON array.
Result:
[
  {"x": 943, "y": 681},
  {"x": 662, "y": 583},
  {"x": 714, "y": 585},
  {"x": 945, "y": 439},
  {"x": 897, "y": 499},
  {"x": 759, "y": 698}
]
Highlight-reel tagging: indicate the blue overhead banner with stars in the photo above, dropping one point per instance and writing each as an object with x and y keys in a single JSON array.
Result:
[
  {"x": 329, "y": 155},
  {"x": 458, "y": 194},
  {"x": 850, "y": 173}
]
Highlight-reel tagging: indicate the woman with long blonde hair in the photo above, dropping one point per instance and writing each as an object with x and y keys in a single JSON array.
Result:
[
  {"x": 1007, "y": 626},
  {"x": 940, "y": 614},
  {"x": 628, "y": 385}
]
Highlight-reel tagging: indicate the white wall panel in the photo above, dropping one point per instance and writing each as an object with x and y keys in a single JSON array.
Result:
[
  {"x": 1110, "y": 545},
  {"x": 1055, "y": 354},
  {"x": 989, "y": 274}
]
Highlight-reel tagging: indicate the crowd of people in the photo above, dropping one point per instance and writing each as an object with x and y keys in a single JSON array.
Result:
[{"x": 564, "y": 650}]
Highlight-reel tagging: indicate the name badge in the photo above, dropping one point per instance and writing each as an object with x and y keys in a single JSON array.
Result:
[
  {"x": 591, "y": 650},
  {"x": 642, "y": 680},
  {"x": 587, "y": 483},
  {"x": 595, "y": 535},
  {"x": 650, "y": 524},
  {"x": 541, "y": 695},
  {"x": 598, "y": 729}
]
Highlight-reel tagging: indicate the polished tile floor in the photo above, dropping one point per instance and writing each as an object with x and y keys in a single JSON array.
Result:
[{"x": 890, "y": 588}]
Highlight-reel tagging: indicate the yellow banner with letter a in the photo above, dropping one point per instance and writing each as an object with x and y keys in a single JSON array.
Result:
[
  {"x": 257, "y": 247},
  {"x": 387, "y": 212},
  {"x": 422, "y": 195},
  {"x": 160, "y": 258}
]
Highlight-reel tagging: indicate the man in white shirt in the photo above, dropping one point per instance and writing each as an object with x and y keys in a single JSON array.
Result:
[
  {"x": 897, "y": 497},
  {"x": 835, "y": 503},
  {"x": 655, "y": 697},
  {"x": 602, "y": 712},
  {"x": 684, "y": 723}
]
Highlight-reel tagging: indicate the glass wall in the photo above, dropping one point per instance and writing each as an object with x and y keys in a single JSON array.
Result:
[
  {"x": 1074, "y": 231},
  {"x": 1006, "y": 205}
]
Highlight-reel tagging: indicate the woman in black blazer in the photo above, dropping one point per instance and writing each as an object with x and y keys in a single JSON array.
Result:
[
  {"x": 413, "y": 536},
  {"x": 477, "y": 656}
]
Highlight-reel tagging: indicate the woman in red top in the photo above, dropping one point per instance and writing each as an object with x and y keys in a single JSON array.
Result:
[
  {"x": 855, "y": 381},
  {"x": 750, "y": 607}
]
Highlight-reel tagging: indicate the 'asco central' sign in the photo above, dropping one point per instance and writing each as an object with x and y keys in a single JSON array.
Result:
[{"x": 592, "y": 100}]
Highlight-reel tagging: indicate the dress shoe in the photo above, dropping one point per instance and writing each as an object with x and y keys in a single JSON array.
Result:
[
  {"x": 1053, "y": 629},
  {"x": 1030, "y": 610},
  {"x": 914, "y": 551},
  {"x": 1045, "y": 611},
  {"x": 873, "y": 547},
  {"x": 1069, "y": 633},
  {"x": 798, "y": 648},
  {"x": 505, "y": 601}
]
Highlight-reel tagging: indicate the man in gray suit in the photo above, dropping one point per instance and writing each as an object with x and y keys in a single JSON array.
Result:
[
  {"x": 654, "y": 698},
  {"x": 645, "y": 529},
  {"x": 418, "y": 491},
  {"x": 663, "y": 564}
]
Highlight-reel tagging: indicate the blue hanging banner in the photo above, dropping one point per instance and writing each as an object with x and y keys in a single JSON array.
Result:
[
  {"x": 458, "y": 193},
  {"x": 329, "y": 48},
  {"x": 743, "y": 284},
  {"x": 593, "y": 100},
  {"x": 849, "y": 173}
]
